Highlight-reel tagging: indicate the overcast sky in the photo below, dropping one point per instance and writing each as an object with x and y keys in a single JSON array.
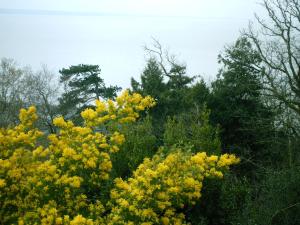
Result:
[{"x": 112, "y": 33}]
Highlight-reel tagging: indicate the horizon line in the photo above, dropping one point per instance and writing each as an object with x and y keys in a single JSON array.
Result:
[{"x": 43, "y": 12}]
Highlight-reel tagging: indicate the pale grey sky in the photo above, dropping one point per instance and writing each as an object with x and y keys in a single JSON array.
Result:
[{"x": 112, "y": 33}]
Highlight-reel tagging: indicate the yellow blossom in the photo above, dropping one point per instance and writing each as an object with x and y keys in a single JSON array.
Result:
[{"x": 2, "y": 183}]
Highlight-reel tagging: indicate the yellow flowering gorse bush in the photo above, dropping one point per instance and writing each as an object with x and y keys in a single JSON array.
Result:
[
  {"x": 63, "y": 182},
  {"x": 162, "y": 186}
]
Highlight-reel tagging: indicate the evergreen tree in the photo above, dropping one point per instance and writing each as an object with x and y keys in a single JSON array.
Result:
[
  {"x": 151, "y": 80},
  {"x": 237, "y": 103},
  {"x": 83, "y": 85},
  {"x": 171, "y": 87}
]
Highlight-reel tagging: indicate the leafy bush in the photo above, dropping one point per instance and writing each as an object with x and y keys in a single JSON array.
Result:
[
  {"x": 162, "y": 188},
  {"x": 222, "y": 202},
  {"x": 275, "y": 200},
  {"x": 140, "y": 143},
  {"x": 195, "y": 130}
]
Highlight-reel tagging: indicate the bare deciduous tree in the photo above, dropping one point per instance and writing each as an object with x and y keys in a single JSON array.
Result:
[
  {"x": 278, "y": 43},
  {"x": 22, "y": 87},
  {"x": 42, "y": 90},
  {"x": 10, "y": 91},
  {"x": 172, "y": 69}
]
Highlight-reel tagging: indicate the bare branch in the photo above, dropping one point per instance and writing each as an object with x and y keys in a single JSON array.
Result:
[{"x": 158, "y": 52}]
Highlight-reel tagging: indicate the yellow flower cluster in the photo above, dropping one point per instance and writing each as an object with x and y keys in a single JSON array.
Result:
[
  {"x": 62, "y": 182},
  {"x": 124, "y": 110},
  {"x": 17, "y": 166},
  {"x": 162, "y": 186}
]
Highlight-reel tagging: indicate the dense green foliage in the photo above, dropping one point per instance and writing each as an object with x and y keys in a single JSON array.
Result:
[
  {"x": 238, "y": 105},
  {"x": 140, "y": 143}
]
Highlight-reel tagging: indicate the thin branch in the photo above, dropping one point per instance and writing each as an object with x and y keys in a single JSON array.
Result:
[{"x": 282, "y": 210}]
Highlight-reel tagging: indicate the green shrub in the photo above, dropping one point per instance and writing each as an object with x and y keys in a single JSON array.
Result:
[{"x": 140, "y": 143}]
